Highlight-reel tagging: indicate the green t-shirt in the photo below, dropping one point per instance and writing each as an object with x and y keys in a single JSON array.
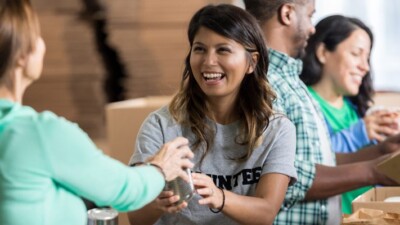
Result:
[{"x": 340, "y": 119}]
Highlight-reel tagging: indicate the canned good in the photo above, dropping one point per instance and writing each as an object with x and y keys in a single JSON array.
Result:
[
  {"x": 185, "y": 190},
  {"x": 104, "y": 216}
]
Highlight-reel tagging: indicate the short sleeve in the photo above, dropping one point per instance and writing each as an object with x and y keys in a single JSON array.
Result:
[
  {"x": 283, "y": 150},
  {"x": 149, "y": 140}
]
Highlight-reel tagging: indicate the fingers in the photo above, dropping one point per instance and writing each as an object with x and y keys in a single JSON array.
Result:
[
  {"x": 206, "y": 192},
  {"x": 167, "y": 202},
  {"x": 205, "y": 187},
  {"x": 387, "y": 119},
  {"x": 186, "y": 152},
  {"x": 202, "y": 181},
  {"x": 177, "y": 142},
  {"x": 212, "y": 196},
  {"x": 184, "y": 175},
  {"x": 378, "y": 137},
  {"x": 385, "y": 130},
  {"x": 173, "y": 158},
  {"x": 381, "y": 124},
  {"x": 381, "y": 118},
  {"x": 175, "y": 209},
  {"x": 165, "y": 194},
  {"x": 186, "y": 163},
  {"x": 374, "y": 135}
]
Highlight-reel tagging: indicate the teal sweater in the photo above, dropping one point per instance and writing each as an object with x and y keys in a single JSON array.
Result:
[{"x": 46, "y": 163}]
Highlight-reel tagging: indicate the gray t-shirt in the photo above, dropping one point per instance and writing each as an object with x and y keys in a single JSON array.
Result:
[{"x": 274, "y": 155}]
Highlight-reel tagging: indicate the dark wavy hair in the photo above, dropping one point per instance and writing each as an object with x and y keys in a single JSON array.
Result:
[
  {"x": 331, "y": 31},
  {"x": 255, "y": 97}
]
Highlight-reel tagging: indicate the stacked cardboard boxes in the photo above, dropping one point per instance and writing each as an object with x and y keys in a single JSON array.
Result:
[
  {"x": 72, "y": 75},
  {"x": 151, "y": 38}
]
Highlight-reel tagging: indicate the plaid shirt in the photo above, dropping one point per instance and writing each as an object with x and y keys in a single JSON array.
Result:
[{"x": 294, "y": 100}]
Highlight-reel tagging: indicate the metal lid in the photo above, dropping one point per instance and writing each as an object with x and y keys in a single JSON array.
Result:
[{"x": 102, "y": 217}]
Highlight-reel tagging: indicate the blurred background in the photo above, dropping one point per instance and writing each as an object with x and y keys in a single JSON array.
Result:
[
  {"x": 101, "y": 51},
  {"x": 104, "y": 51},
  {"x": 383, "y": 18}
]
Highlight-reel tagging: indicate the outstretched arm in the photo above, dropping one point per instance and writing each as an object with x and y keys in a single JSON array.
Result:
[{"x": 330, "y": 181}]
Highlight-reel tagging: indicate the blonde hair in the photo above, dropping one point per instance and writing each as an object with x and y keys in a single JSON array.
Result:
[{"x": 19, "y": 32}]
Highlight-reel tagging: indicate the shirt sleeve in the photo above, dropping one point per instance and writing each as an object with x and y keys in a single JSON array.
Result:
[
  {"x": 306, "y": 156},
  {"x": 282, "y": 154},
  {"x": 78, "y": 166},
  {"x": 150, "y": 138},
  {"x": 351, "y": 139},
  {"x": 305, "y": 167}
]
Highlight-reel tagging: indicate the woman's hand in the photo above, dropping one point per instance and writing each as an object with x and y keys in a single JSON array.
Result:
[
  {"x": 381, "y": 124},
  {"x": 166, "y": 202},
  {"x": 173, "y": 158},
  {"x": 205, "y": 187}
]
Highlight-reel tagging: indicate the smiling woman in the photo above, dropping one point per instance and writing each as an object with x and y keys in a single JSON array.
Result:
[
  {"x": 219, "y": 65},
  {"x": 382, "y": 17},
  {"x": 337, "y": 72},
  {"x": 244, "y": 152}
]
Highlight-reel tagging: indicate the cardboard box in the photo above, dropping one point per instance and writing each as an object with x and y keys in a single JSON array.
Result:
[
  {"x": 374, "y": 199},
  {"x": 123, "y": 120},
  {"x": 371, "y": 216},
  {"x": 391, "y": 167}
]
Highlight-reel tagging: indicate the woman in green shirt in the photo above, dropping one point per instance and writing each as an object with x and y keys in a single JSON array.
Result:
[
  {"x": 337, "y": 73},
  {"x": 48, "y": 163}
]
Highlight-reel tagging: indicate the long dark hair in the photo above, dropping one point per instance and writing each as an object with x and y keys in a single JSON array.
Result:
[
  {"x": 331, "y": 31},
  {"x": 188, "y": 106}
]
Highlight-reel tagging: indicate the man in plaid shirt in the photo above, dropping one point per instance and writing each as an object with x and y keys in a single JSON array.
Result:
[{"x": 322, "y": 175}]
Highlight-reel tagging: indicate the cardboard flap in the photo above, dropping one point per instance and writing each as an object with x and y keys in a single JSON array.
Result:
[
  {"x": 375, "y": 199},
  {"x": 371, "y": 216},
  {"x": 391, "y": 167}
]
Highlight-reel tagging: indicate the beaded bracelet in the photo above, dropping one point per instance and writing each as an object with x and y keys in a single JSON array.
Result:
[
  {"x": 151, "y": 164},
  {"x": 223, "y": 203}
]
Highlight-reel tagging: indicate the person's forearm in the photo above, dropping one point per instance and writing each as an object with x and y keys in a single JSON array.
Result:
[
  {"x": 148, "y": 215},
  {"x": 330, "y": 181},
  {"x": 249, "y": 210},
  {"x": 367, "y": 153}
]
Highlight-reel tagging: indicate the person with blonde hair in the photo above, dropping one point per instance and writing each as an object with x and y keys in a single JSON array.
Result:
[{"x": 48, "y": 163}]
